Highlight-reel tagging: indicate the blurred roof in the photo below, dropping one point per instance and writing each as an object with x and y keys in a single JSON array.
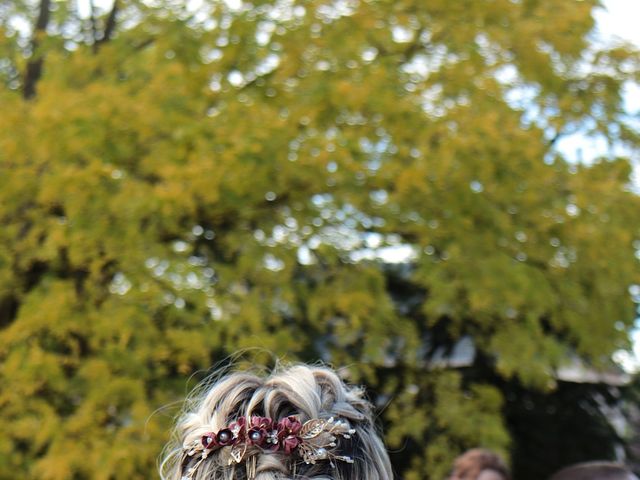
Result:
[{"x": 463, "y": 354}]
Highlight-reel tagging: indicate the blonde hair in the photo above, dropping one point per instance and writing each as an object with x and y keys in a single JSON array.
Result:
[{"x": 307, "y": 392}]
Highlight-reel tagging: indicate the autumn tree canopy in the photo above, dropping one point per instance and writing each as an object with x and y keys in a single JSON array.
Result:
[{"x": 182, "y": 180}]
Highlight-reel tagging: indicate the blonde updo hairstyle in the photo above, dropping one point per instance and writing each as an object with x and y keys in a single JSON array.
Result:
[{"x": 308, "y": 392}]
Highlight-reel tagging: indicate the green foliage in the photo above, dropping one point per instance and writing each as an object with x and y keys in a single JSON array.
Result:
[{"x": 197, "y": 182}]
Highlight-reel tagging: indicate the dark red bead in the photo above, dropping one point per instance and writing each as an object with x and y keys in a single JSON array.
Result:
[{"x": 224, "y": 437}]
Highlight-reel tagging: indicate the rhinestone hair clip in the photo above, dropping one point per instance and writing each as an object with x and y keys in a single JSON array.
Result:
[{"x": 243, "y": 439}]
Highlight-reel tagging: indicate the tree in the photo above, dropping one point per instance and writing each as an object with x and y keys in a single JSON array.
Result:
[{"x": 183, "y": 180}]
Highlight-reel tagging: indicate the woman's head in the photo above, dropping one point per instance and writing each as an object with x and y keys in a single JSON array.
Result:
[
  {"x": 279, "y": 424},
  {"x": 479, "y": 464},
  {"x": 595, "y": 471}
]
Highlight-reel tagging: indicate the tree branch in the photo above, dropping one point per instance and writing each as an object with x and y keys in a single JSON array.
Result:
[
  {"x": 94, "y": 27},
  {"x": 33, "y": 71},
  {"x": 110, "y": 26}
]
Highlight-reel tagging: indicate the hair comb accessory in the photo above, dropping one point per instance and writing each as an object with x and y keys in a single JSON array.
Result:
[{"x": 243, "y": 439}]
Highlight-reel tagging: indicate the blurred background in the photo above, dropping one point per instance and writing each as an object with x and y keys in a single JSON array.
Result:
[{"x": 437, "y": 197}]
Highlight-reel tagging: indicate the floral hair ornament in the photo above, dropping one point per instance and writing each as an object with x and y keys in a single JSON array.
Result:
[{"x": 248, "y": 436}]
